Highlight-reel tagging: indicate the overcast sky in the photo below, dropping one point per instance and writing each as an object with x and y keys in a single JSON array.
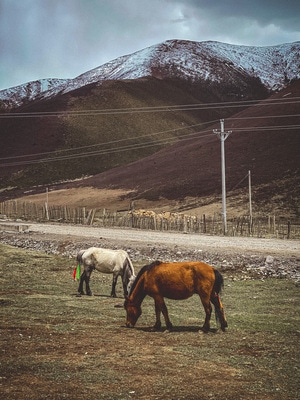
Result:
[{"x": 64, "y": 38}]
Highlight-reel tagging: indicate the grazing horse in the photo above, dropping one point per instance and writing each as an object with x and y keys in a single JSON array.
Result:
[
  {"x": 116, "y": 262},
  {"x": 175, "y": 281}
]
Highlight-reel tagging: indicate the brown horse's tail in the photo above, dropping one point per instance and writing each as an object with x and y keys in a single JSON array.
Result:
[
  {"x": 215, "y": 299},
  {"x": 219, "y": 282}
]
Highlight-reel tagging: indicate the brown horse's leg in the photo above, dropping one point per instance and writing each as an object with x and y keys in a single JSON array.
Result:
[
  {"x": 157, "y": 324},
  {"x": 208, "y": 309},
  {"x": 215, "y": 299},
  {"x": 160, "y": 306}
]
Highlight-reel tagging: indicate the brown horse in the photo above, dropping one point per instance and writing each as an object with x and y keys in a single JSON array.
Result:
[{"x": 175, "y": 281}]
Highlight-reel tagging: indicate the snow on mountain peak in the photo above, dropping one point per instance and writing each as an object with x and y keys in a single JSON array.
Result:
[
  {"x": 275, "y": 66},
  {"x": 18, "y": 95}
]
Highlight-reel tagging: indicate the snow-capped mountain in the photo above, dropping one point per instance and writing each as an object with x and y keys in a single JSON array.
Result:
[
  {"x": 215, "y": 62},
  {"x": 19, "y": 95},
  {"x": 274, "y": 65}
]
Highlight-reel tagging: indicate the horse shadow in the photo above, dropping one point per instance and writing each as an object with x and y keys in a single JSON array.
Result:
[
  {"x": 107, "y": 296},
  {"x": 177, "y": 329}
]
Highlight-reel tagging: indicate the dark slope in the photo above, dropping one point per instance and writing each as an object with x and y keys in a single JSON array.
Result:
[
  {"x": 76, "y": 124},
  {"x": 261, "y": 141},
  {"x": 73, "y": 127}
]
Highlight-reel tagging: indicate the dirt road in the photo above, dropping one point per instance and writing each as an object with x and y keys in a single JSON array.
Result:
[
  {"x": 192, "y": 241},
  {"x": 251, "y": 257}
]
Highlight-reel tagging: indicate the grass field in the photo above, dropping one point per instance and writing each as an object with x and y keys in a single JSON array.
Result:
[{"x": 55, "y": 345}]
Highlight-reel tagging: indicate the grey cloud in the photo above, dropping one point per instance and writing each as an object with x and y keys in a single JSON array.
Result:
[
  {"x": 281, "y": 13},
  {"x": 64, "y": 38}
]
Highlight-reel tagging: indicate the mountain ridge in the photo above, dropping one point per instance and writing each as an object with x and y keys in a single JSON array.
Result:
[
  {"x": 274, "y": 66},
  {"x": 247, "y": 58}
]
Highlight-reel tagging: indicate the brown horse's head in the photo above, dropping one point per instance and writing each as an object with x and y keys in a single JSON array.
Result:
[{"x": 133, "y": 312}]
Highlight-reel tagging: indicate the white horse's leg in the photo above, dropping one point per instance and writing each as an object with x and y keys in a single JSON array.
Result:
[
  {"x": 87, "y": 281},
  {"x": 113, "y": 286},
  {"x": 125, "y": 289},
  {"x": 80, "y": 287}
]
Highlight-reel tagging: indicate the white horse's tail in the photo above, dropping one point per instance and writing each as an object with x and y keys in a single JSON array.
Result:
[
  {"x": 128, "y": 278},
  {"x": 129, "y": 263},
  {"x": 79, "y": 256}
]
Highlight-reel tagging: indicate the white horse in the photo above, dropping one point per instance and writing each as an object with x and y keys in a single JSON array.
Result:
[{"x": 116, "y": 262}]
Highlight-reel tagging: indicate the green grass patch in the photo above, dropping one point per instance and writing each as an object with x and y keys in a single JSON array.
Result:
[{"x": 55, "y": 345}]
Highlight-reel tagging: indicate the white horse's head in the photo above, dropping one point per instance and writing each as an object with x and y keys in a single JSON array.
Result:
[{"x": 130, "y": 283}]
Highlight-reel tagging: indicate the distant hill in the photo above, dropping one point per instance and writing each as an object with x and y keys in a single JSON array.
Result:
[
  {"x": 145, "y": 122},
  {"x": 232, "y": 66},
  {"x": 264, "y": 140},
  {"x": 98, "y": 127}
]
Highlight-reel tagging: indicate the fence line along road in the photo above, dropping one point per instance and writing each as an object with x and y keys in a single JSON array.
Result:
[
  {"x": 153, "y": 238},
  {"x": 259, "y": 226}
]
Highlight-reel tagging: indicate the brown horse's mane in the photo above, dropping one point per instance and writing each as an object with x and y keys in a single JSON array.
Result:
[{"x": 142, "y": 271}]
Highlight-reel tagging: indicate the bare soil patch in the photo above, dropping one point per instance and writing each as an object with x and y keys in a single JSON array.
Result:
[
  {"x": 113, "y": 199},
  {"x": 119, "y": 199}
]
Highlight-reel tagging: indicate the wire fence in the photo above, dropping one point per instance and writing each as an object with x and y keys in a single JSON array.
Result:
[{"x": 260, "y": 226}]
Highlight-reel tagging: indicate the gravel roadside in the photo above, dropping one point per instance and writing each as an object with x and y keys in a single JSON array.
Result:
[{"x": 247, "y": 257}]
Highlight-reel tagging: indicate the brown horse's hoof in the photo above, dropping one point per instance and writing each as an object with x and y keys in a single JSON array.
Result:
[
  {"x": 155, "y": 328},
  {"x": 204, "y": 329},
  {"x": 224, "y": 325}
]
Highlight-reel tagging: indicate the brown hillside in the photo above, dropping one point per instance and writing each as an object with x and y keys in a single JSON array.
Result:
[
  {"x": 261, "y": 141},
  {"x": 85, "y": 121},
  {"x": 265, "y": 140}
]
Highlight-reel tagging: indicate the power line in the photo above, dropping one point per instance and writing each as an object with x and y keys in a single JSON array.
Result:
[
  {"x": 134, "y": 146},
  {"x": 115, "y": 141},
  {"x": 268, "y": 128},
  {"x": 167, "y": 108},
  {"x": 180, "y": 137},
  {"x": 188, "y": 136},
  {"x": 245, "y": 177},
  {"x": 240, "y": 129}
]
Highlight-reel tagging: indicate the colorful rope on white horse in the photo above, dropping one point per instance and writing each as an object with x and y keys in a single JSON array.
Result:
[{"x": 76, "y": 273}]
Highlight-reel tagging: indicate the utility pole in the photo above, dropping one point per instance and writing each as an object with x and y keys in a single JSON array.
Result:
[
  {"x": 223, "y": 136},
  {"x": 46, "y": 204},
  {"x": 250, "y": 200}
]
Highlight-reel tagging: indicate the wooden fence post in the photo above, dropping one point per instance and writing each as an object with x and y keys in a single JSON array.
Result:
[{"x": 46, "y": 211}]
